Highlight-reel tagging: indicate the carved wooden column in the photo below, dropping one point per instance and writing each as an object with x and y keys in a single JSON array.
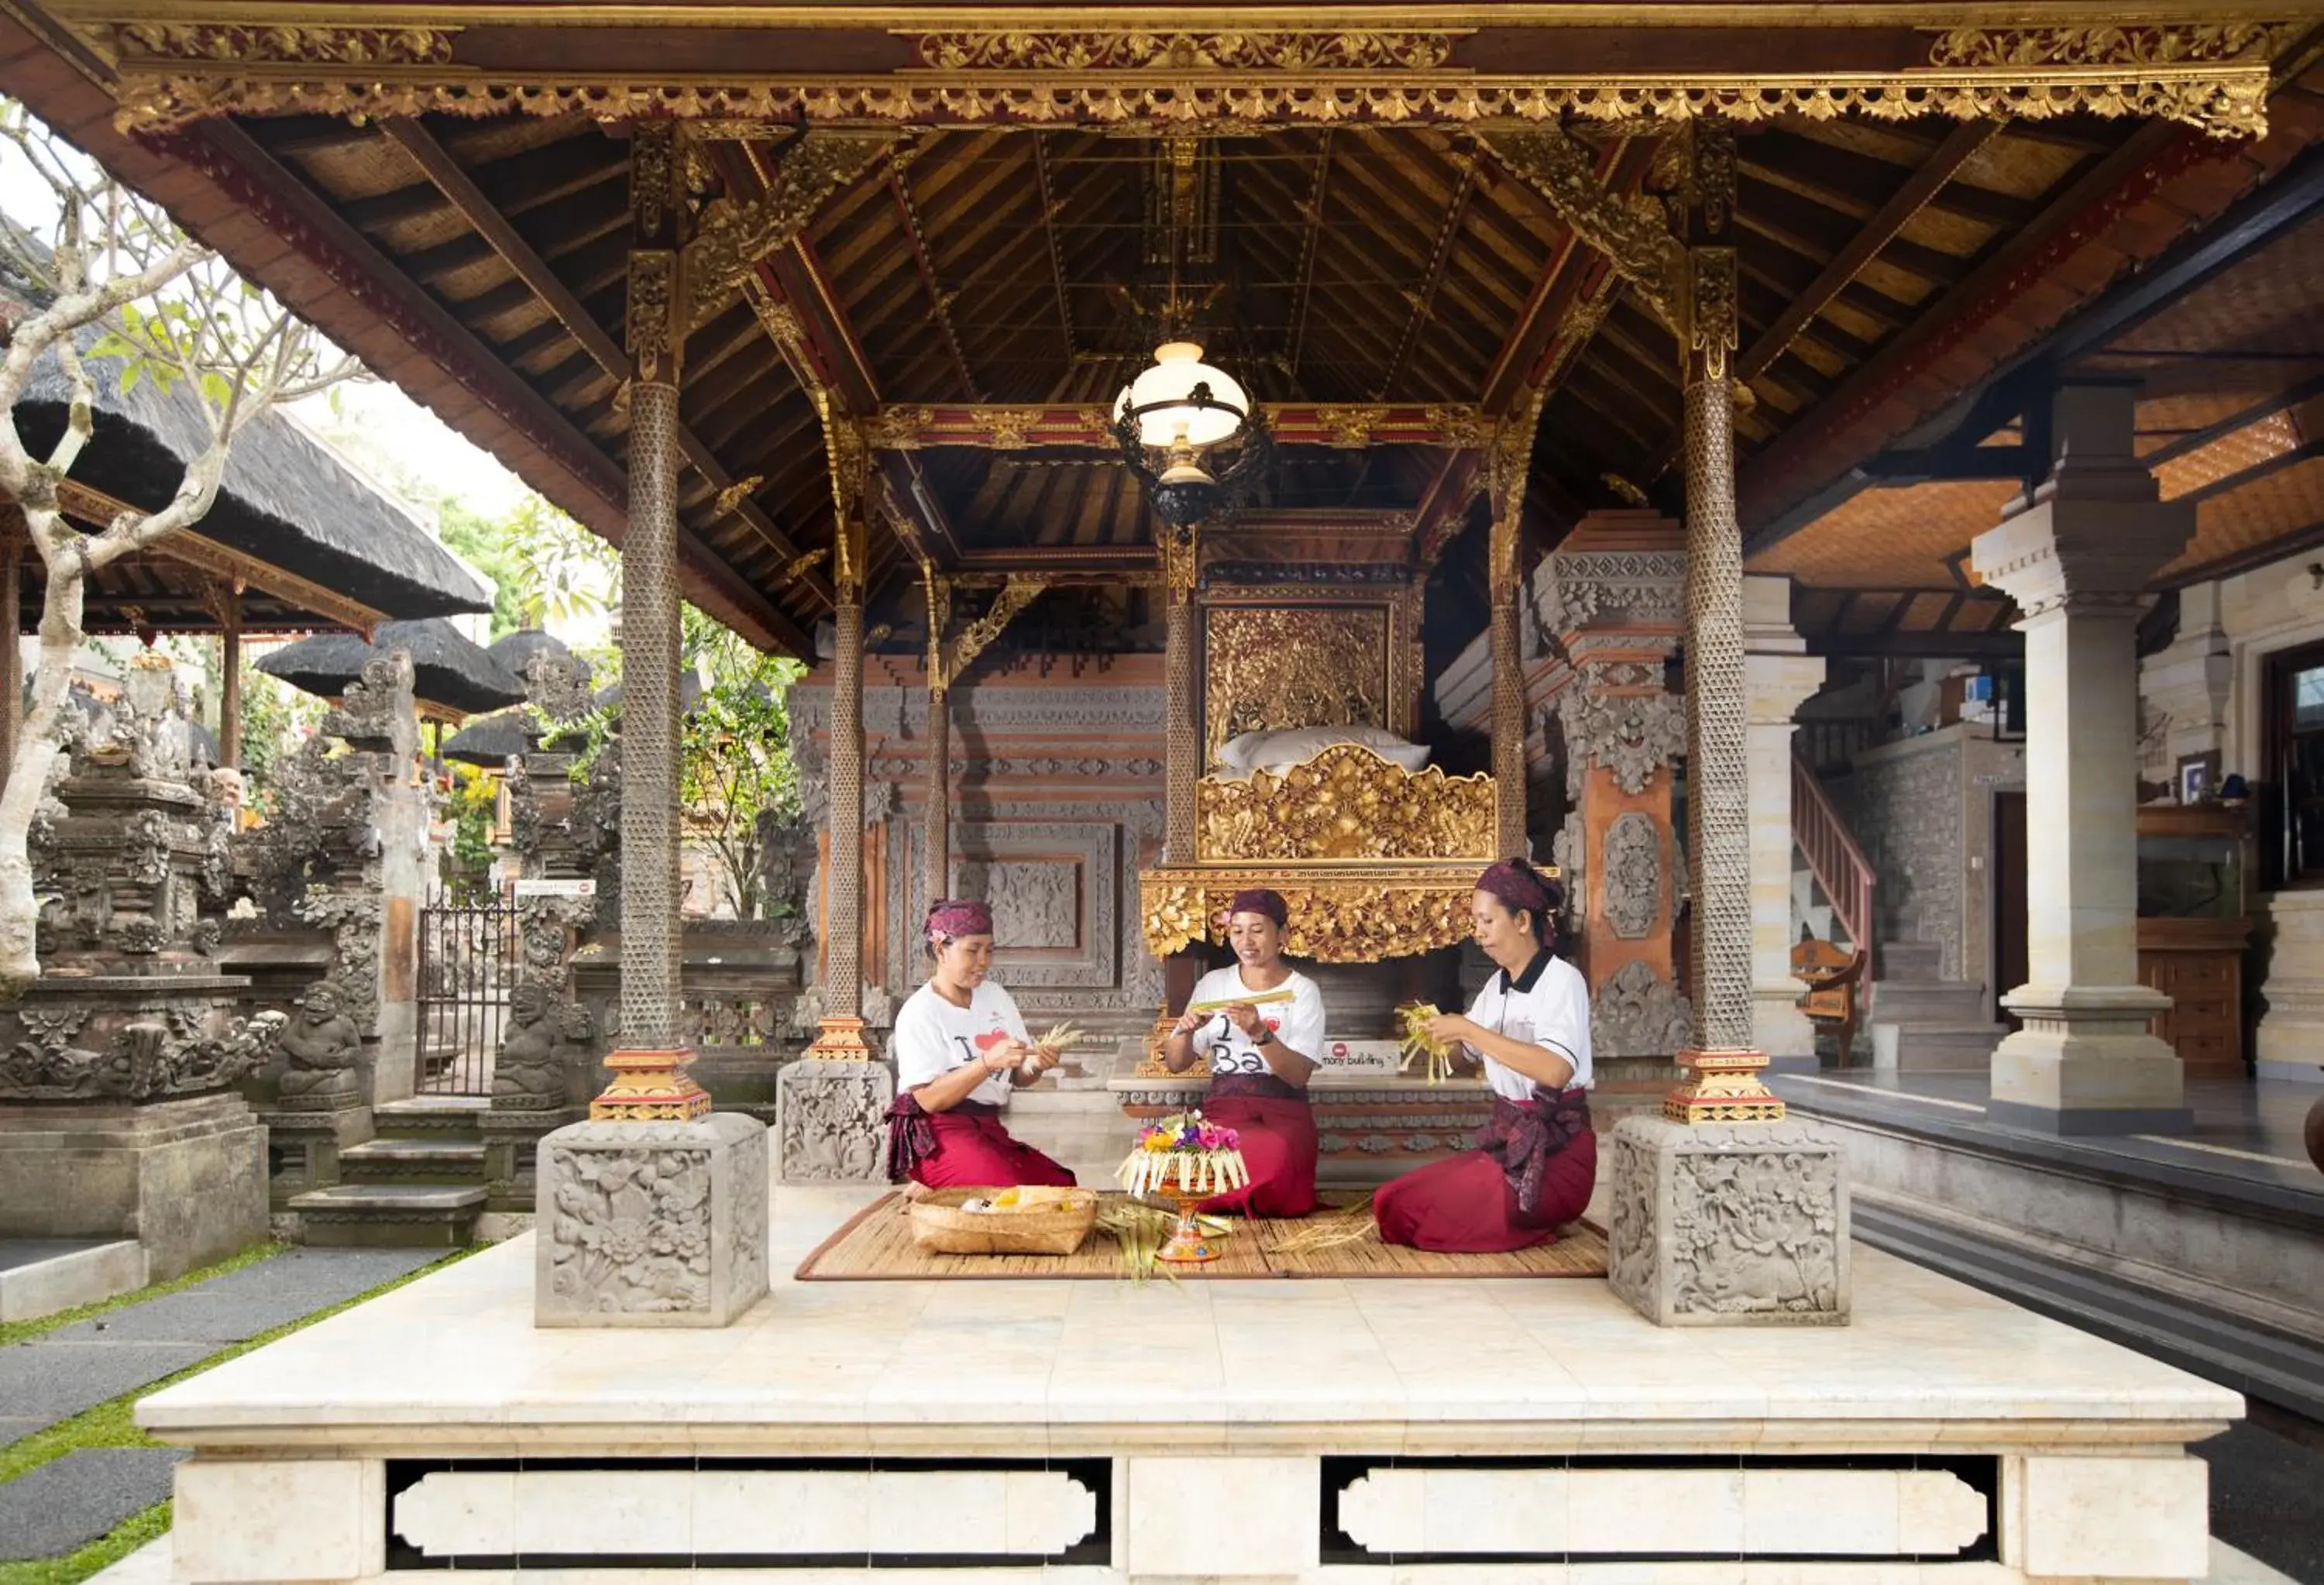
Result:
[
  {"x": 653, "y": 1116},
  {"x": 936, "y": 876},
  {"x": 230, "y": 684},
  {"x": 1612, "y": 597},
  {"x": 839, "y": 995},
  {"x": 1508, "y": 466},
  {"x": 649, "y": 1081},
  {"x": 1183, "y": 748}
]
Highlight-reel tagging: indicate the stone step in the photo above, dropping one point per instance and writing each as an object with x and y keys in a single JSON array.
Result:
[
  {"x": 433, "y": 1216},
  {"x": 433, "y": 1159},
  {"x": 433, "y": 1116},
  {"x": 1910, "y": 960},
  {"x": 2211, "y": 1339},
  {"x": 1902, "y": 1001},
  {"x": 1933, "y": 1047}
]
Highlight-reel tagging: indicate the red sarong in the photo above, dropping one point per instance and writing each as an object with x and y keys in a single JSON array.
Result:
[
  {"x": 963, "y": 1148},
  {"x": 1468, "y": 1203},
  {"x": 1278, "y": 1133}
]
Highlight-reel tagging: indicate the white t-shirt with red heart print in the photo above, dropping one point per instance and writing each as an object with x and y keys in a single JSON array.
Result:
[
  {"x": 933, "y": 1038},
  {"x": 1297, "y": 1023}
]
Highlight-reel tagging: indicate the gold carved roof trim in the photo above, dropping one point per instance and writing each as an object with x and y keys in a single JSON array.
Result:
[{"x": 1011, "y": 68}]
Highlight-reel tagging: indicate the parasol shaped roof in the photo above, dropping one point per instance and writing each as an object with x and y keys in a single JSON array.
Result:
[{"x": 447, "y": 669}]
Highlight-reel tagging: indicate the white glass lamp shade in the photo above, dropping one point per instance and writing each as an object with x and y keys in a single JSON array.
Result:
[{"x": 1179, "y": 368}]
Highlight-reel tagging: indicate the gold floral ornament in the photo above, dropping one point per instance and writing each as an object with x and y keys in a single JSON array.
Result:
[
  {"x": 1344, "y": 803},
  {"x": 1360, "y": 916}
]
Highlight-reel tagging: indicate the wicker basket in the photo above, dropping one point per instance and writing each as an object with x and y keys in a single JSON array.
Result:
[{"x": 940, "y": 1226}]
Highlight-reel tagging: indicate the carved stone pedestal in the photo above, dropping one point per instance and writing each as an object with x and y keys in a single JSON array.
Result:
[
  {"x": 1729, "y": 1225},
  {"x": 651, "y": 1224},
  {"x": 303, "y": 1146},
  {"x": 831, "y": 1121},
  {"x": 186, "y": 1178}
]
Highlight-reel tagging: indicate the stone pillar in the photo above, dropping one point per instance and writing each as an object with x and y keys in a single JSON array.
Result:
[
  {"x": 653, "y": 1121},
  {"x": 1778, "y": 676},
  {"x": 936, "y": 876},
  {"x": 1612, "y": 597},
  {"x": 1684, "y": 1248},
  {"x": 839, "y": 993},
  {"x": 1508, "y": 466},
  {"x": 2077, "y": 556}
]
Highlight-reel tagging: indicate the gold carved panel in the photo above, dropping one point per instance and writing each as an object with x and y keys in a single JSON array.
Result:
[
  {"x": 1270, "y": 666},
  {"x": 1346, "y": 804}
]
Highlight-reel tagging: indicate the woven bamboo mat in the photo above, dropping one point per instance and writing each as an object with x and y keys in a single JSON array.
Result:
[{"x": 875, "y": 1245}]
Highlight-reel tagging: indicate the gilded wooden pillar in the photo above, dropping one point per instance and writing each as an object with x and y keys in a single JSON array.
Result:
[
  {"x": 650, "y": 1079},
  {"x": 935, "y": 877},
  {"x": 1182, "y": 758},
  {"x": 1727, "y": 1087},
  {"x": 839, "y": 996},
  {"x": 1506, "y": 468}
]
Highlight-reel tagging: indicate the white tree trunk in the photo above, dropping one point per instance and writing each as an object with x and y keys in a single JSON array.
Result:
[{"x": 38, "y": 745}]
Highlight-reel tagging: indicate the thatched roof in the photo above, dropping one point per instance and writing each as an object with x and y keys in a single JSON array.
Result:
[
  {"x": 491, "y": 741},
  {"x": 520, "y": 647},
  {"x": 286, "y": 498},
  {"x": 447, "y": 669}
]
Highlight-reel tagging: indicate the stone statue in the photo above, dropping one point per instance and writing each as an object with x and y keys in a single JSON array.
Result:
[
  {"x": 322, "y": 1045},
  {"x": 531, "y": 1073}
]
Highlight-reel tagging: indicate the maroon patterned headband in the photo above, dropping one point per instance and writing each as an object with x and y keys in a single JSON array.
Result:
[
  {"x": 1516, "y": 884},
  {"x": 1259, "y": 901},
  {"x": 951, "y": 917}
]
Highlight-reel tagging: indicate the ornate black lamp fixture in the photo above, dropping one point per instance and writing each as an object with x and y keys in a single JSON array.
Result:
[{"x": 1185, "y": 411}]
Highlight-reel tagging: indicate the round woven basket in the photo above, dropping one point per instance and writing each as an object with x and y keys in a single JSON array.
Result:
[{"x": 940, "y": 1226}]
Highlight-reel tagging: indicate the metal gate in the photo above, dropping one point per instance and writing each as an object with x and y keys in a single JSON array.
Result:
[{"x": 469, "y": 953}]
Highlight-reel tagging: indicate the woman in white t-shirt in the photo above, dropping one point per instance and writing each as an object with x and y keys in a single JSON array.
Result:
[
  {"x": 960, "y": 1044},
  {"x": 1261, "y": 1056},
  {"x": 1535, "y": 1160}
]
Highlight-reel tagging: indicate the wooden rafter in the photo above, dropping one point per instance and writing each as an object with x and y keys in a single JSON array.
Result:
[
  {"x": 1049, "y": 209},
  {"x": 939, "y": 306},
  {"x": 1876, "y": 234},
  {"x": 461, "y": 192},
  {"x": 1310, "y": 237},
  {"x": 1004, "y": 427},
  {"x": 1440, "y": 254}
]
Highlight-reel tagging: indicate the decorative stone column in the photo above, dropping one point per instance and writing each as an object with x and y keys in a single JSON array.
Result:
[
  {"x": 1724, "y": 1213},
  {"x": 230, "y": 685},
  {"x": 2077, "y": 556},
  {"x": 1508, "y": 466},
  {"x": 1611, "y": 595},
  {"x": 936, "y": 875},
  {"x": 830, "y": 1108},
  {"x": 1182, "y": 748},
  {"x": 1778, "y": 676},
  {"x": 654, "y": 1211}
]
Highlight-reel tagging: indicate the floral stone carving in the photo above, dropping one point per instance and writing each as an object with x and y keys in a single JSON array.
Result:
[
  {"x": 651, "y": 1224},
  {"x": 831, "y": 1121},
  {"x": 321, "y": 1048},
  {"x": 1729, "y": 1225},
  {"x": 1638, "y": 1013},
  {"x": 1633, "y": 736},
  {"x": 1634, "y": 874}
]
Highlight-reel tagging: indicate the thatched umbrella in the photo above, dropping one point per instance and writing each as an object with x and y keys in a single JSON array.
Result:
[
  {"x": 517, "y": 650},
  {"x": 489, "y": 741},
  {"x": 447, "y": 670}
]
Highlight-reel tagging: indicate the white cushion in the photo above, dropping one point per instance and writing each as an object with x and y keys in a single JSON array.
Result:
[{"x": 1279, "y": 749}]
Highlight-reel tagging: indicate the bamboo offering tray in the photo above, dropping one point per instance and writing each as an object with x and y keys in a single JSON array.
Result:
[{"x": 876, "y": 1245}]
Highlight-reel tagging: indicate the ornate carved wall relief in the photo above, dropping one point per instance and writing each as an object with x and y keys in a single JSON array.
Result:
[
  {"x": 1633, "y": 870},
  {"x": 1638, "y": 1013}
]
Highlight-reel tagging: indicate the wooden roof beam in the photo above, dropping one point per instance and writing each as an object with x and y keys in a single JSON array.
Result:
[
  {"x": 939, "y": 306},
  {"x": 461, "y": 192},
  {"x": 1310, "y": 236},
  {"x": 1877, "y": 233},
  {"x": 1424, "y": 300}
]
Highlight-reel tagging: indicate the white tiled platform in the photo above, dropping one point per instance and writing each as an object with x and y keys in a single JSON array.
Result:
[{"x": 1210, "y": 1404}]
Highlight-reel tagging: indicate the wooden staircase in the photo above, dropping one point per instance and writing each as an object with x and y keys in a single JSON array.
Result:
[{"x": 419, "y": 1183}]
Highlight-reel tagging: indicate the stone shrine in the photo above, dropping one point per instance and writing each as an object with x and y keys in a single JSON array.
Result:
[{"x": 121, "y": 1059}]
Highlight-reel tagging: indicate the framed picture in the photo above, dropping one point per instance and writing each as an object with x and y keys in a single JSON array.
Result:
[{"x": 2198, "y": 778}]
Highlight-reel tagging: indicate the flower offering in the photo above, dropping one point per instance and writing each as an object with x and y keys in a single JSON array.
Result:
[{"x": 1184, "y": 1154}]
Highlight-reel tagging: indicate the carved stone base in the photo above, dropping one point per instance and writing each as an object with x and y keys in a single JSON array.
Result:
[
  {"x": 186, "y": 1178},
  {"x": 512, "y": 1138},
  {"x": 651, "y": 1224},
  {"x": 1728, "y": 1225},
  {"x": 831, "y": 1121},
  {"x": 303, "y": 1146}
]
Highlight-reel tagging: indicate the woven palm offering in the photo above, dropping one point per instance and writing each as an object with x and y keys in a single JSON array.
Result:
[
  {"x": 1061, "y": 1038},
  {"x": 1184, "y": 1158},
  {"x": 1437, "y": 1060},
  {"x": 1003, "y": 1221}
]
